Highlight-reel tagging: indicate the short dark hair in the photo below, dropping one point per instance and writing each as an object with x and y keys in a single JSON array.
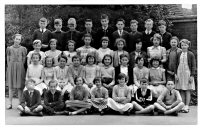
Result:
[
  {"x": 76, "y": 57},
  {"x": 138, "y": 40},
  {"x": 123, "y": 55},
  {"x": 87, "y": 35},
  {"x": 62, "y": 56},
  {"x": 143, "y": 80},
  {"x": 97, "y": 79},
  {"x": 138, "y": 59},
  {"x": 122, "y": 75},
  {"x": 155, "y": 59},
  {"x": 90, "y": 55},
  {"x": 120, "y": 19},
  {"x": 36, "y": 53},
  {"x": 53, "y": 81},
  {"x": 162, "y": 22},
  {"x": 107, "y": 55},
  {"x": 105, "y": 38},
  {"x": 88, "y": 20},
  {"x": 75, "y": 79},
  {"x": 104, "y": 16}
]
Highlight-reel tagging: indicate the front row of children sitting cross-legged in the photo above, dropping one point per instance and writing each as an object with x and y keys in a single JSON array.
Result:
[{"x": 83, "y": 101}]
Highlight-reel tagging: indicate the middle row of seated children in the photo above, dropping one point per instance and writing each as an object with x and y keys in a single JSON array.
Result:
[{"x": 168, "y": 103}]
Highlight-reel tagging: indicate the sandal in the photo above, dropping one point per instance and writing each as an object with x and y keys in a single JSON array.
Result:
[{"x": 9, "y": 106}]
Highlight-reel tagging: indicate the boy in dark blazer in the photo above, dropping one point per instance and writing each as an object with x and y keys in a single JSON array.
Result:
[
  {"x": 31, "y": 101},
  {"x": 53, "y": 103},
  {"x": 104, "y": 30},
  {"x": 119, "y": 33},
  {"x": 43, "y": 34}
]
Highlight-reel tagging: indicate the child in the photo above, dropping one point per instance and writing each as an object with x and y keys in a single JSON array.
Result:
[
  {"x": 37, "y": 46},
  {"x": 170, "y": 101},
  {"x": 48, "y": 72},
  {"x": 133, "y": 36},
  {"x": 99, "y": 96},
  {"x": 16, "y": 56},
  {"x": 104, "y": 49},
  {"x": 61, "y": 76},
  {"x": 120, "y": 43},
  {"x": 43, "y": 34},
  {"x": 34, "y": 71},
  {"x": 91, "y": 70},
  {"x": 107, "y": 72},
  {"x": 143, "y": 96},
  {"x": 59, "y": 35},
  {"x": 125, "y": 68},
  {"x": 54, "y": 53},
  {"x": 147, "y": 34},
  {"x": 104, "y": 30},
  {"x": 70, "y": 53},
  {"x": 84, "y": 50},
  {"x": 73, "y": 34},
  {"x": 156, "y": 50},
  {"x": 172, "y": 59},
  {"x": 140, "y": 72},
  {"x": 75, "y": 70},
  {"x": 156, "y": 77},
  {"x": 186, "y": 67},
  {"x": 166, "y": 36},
  {"x": 88, "y": 30},
  {"x": 136, "y": 53},
  {"x": 53, "y": 100},
  {"x": 31, "y": 100},
  {"x": 120, "y": 33},
  {"x": 121, "y": 96},
  {"x": 78, "y": 102}
]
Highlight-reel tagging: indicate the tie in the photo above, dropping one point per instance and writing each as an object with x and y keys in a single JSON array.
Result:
[
  {"x": 170, "y": 93},
  {"x": 120, "y": 32},
  {"x": 42, "y": 30},
  {"x": 31, "y": 94}
]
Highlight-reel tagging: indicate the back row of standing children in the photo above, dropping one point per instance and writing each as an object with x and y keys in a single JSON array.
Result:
[{"x": 104, "y": 62}]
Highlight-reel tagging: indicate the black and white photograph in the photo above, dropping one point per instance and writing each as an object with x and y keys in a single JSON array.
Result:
[{"x": 100, "y": 64}]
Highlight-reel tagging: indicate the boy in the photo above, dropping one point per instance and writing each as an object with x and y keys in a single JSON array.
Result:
[
  {"x": 73, "y": 34},
  {"x": 59, "y": 35},
  {"x": 104, "y": 30},
  {"x": 166, "y": 36},
  {"x": 137, "y": 52},
  {"x": 120, "y": 33},
  {"x": 31, "y": 101},
  {"x": 88, "y": 29},
  {"x": 53, "y": 100},
  {"x": 170, "y": 101},
  {"x": 147, "y": 34},
  {"x": 133, "y": 36},
  {"x": 43, "y": 34}
]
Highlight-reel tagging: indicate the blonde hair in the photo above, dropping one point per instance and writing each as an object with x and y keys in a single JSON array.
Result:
[
  {"x": 186, "y": 41},
  {"x": 157, "y": 36},
  {"x": 120, "y": 39}
]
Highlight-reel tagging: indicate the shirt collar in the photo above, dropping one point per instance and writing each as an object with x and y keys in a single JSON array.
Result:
[
  {"x": 121, "y": 31},
  {"x": 104, "y": 28},
  {"x": 158, "y": 47},
  {"x": 156, "y": 68},
  {"x": 43, "y": 30},
  {"x": 148, "y": 31}
]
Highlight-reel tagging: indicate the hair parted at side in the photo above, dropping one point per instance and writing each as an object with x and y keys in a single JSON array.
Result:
[
  {"x": 97, "y": 79},
  {"x": 107, "y": 55}
]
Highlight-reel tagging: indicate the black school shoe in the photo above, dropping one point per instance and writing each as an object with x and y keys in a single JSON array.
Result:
[{"x": 175, "y": 113}]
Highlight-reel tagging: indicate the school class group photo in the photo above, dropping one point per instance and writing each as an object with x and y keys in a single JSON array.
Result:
[{"x": 107, "y": 71}]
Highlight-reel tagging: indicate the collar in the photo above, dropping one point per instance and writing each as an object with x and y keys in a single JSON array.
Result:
[
  {"x": 155, "y": 68},
  {"x": 146, "y": 31},
  {"x": 58, "y": 31},
  {"x": 87, "y": 46},
  {"x": 133, "y": 32},
  {"x": 121, "y": 31},
  {"x": 158, "y": 47},
  {"x": 104, "y": 28},
  {"x": 162, "y": 33},
  {"x": 43, "y": 30},
  {"x": 30, "y": 91},
  {"x": 123, "y": 66}
]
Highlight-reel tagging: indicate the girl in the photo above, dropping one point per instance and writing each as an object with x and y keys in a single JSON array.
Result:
[
  {"x": 143, "y": 97},
  {"x": 84, "y": 50},
  {"x": 104, "y": 49},
  {"x": 169, "y": 102},
  {"x": 70, "y": 53},
  {"x": 78, "y": 102},
  {"x": 34, "y": 72},
  {"x": 48, "y": 72},
  {"x": 156, "y": 77},
  {"x": 121, "y": 96},
  {"x": 107, "y": 72},
  {"x": 156, "y": 50},
  {"x": 37, "y": 46},
  {"x": 99, "y": 96},
  {"x": 54, "y": 53},
  {"x": 16, "y": 56},
  {"x": 62, "y": 77},
  {"x": 90, "y": 70},
  {"x": 172, "y": 58},
  {"x": 138, "y": 52},
  {"x": 186, "y": 66},
  {"x": 120, "y": 43}
]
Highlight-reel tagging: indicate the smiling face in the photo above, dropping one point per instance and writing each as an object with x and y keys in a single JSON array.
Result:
[
  {"x": 98, "y": 83},
  {"x": 76, "y": 62},
  {"x": 52, "y": 86},
  {"x": 62, "y": 62},
  {"x": 122, "y": 81},
  {"x": 90, "y": 60},
  {"x": 124, "y": 61},
  {"x": 174, "y": 43},
  {"x": 17, "y": 40},
  {"x": 104, "y": 44},
  {"x": 155, "y": 63},
  {"x": 79, "y": 81},
  {"x": 184, "y": 46},
  {"x": 107, "y": 60},
  {"x": 49, "y": 62},
  {"x": 120, "y": 25},
  {"x": 141, "y": 62}
]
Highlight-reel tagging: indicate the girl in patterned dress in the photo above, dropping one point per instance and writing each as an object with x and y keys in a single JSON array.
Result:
[
  {"x": 104, "y": 49},
  {"x": 121, "y": 96},
  {"x": 16, "y": 55},
  {"x": 78, "y": 102},
  {"x": 54, "y": 53},
  {"x": 91, "y": 70},
  {"x": 70, "y": 53},
  {"x": 99, "y": 96},
  {"x": 107, "y": 72},
  {"x": 185, "y": 73}
]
